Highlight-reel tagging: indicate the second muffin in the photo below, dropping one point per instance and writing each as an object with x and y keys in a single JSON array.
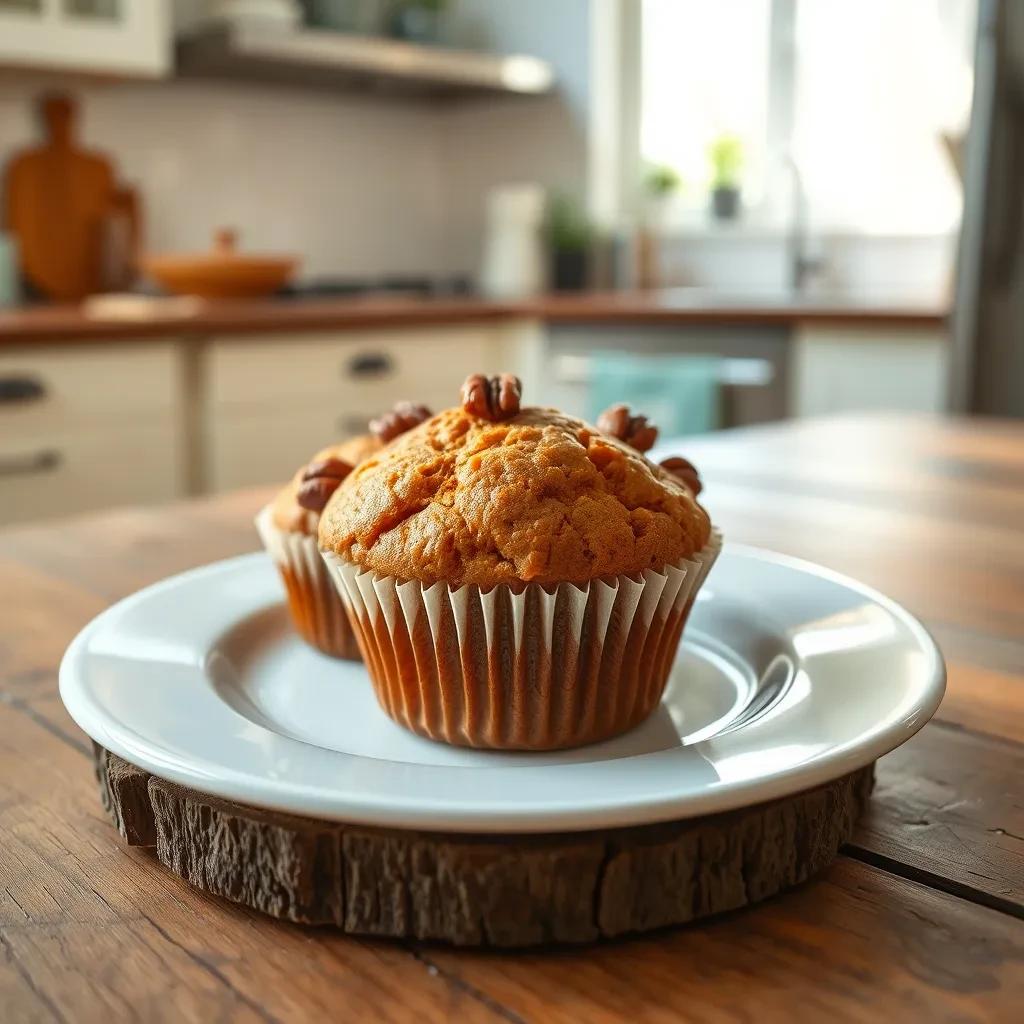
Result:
[
  {"x": 517, "y": 578},
  {"x": 288, "y": 528}
]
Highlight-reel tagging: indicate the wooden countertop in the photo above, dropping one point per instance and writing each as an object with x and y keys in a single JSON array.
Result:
[
  {"x": 670, "y": 306},
  {"x": 920, "y": 917},
  {"x": 707, "y": 306}
]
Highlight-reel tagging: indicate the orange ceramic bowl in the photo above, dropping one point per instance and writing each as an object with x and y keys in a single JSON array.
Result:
[{"x": 222, "y": 273}]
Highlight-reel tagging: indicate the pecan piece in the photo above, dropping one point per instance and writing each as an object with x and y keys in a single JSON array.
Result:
[
  {"x": 685, "y": 470},
  {"x": 404, "y": 416},
  {"x": 491, "y": 398},
  {"x": 634, "y": 430},
  {"x": 320, "y": 479}
]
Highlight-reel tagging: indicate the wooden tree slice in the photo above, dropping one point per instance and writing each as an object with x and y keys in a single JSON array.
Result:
[{"x": 483, "y": 890}]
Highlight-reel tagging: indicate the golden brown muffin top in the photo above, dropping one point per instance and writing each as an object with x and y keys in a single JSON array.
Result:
[
  {"x": 286, "y": 511},
  {"x": 535, "y": 497}
]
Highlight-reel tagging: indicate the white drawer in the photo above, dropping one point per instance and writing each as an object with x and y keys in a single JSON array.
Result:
[
  {"x": 46, "y": 391},
  {"x": 365, "y": 370},
  {"x": 245, "y": 450},
  {"x": 75, "y": 472}
]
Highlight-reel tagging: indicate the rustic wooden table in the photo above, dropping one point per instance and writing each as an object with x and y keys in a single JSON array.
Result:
[{"x": 920, "y": 918}]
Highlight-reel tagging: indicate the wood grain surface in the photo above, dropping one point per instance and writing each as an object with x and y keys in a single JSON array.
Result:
[
  {"x": 503, "y": 891},
  {"x": 919, "y": 919}
]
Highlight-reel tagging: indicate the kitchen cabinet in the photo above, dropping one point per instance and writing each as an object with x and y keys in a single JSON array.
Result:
[
  {"x": 117, "y": 37},
  {"x": 84, "y": 427},
  {"x": 269, "y": 402},
  {"x": 89, "y": 423},
  {"x": 854, "y": 369}
]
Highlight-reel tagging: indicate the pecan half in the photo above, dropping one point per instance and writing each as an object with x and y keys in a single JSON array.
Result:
[
  {"x": 320, "y": 479},
  {"x": 491, "y": 398},
  {"x": 634, "y": 430},
  {"x": 404, "y": 416},
  {"x": 685, "y": 470}
]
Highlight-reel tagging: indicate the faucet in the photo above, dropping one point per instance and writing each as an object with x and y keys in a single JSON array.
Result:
[{"x": 801, "y": 265}]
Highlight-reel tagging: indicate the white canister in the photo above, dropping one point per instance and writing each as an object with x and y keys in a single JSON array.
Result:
[{"x": 513, "y": 260}]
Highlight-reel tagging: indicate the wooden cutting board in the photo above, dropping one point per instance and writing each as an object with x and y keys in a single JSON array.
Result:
[{"x": 56, "y": 197}]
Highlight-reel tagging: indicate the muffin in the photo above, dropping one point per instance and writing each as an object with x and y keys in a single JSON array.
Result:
[
  {"x": 517, "y": 579},
  {"x": 288, "y": 529}
]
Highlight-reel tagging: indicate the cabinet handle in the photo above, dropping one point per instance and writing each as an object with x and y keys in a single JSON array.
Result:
[
  {"x": 370, "y": 364},
  {"x": 17, "y": 389},
  {"x": 28, "y": 465}
]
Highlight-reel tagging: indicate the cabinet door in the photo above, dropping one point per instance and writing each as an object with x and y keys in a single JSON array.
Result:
[
  {"x": 252, "y": 448},
  {"x": 271, "y": 402},
  {"x": 105, "y": 36},
  {"x": 65, "y": 474},
  {"x": 837, "y": 370},
  {"x": 48, "y": 389},
  {"x": 88, "y": 426},
  {"x": 361, "y": 371}
]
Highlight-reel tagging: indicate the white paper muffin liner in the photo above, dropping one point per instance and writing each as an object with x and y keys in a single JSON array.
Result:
[
  {"x": 316, "y": 609},
  {"x": 542, "y": 669}
]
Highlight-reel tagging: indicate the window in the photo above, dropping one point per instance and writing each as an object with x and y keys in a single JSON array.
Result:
[
  {"x": 878, "y": 84},
  {"x": 865, "y": 98},
  {"x": 704, "y": 75}
]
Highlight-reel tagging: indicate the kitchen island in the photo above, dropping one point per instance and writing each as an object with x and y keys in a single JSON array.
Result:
[
  {"x": 204, "y": 397},
  {"x": 919, "y": 916}
]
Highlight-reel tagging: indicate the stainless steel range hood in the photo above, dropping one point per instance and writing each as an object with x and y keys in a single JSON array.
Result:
[{"x": 269, "y": 53}]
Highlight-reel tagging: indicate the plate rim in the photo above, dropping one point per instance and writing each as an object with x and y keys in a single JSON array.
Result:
[{"x": 477, "y": 818}]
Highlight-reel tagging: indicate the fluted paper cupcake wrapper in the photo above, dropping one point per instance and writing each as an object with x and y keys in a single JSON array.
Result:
[
  {"x": 542, "y": 669},
  {"x": 316, "y": 608}
]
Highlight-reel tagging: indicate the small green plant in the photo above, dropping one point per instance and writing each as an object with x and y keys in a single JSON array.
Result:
[
  {"x": 726, "y": 157},
  {"x": 567, "y": 227},
  {"x": 661, "y": 180}
]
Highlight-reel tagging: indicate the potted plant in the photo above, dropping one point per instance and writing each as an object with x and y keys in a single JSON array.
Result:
[
  {"x": 726, "y": 157},
  {"x": 569, "y": 236},
  {"x": 661, "y": 182},
  {"x": 359, "y": 17},
  {"x": 418, "y": 21}
]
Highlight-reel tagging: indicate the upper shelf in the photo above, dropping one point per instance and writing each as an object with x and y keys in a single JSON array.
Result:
[{"x": 267, "y": 53}]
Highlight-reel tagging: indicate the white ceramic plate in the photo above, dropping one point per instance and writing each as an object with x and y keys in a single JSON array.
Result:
[{"x": 789, "y": 676}]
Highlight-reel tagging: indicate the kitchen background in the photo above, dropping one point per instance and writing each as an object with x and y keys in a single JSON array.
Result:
[{"x": 723, "y": 213}]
